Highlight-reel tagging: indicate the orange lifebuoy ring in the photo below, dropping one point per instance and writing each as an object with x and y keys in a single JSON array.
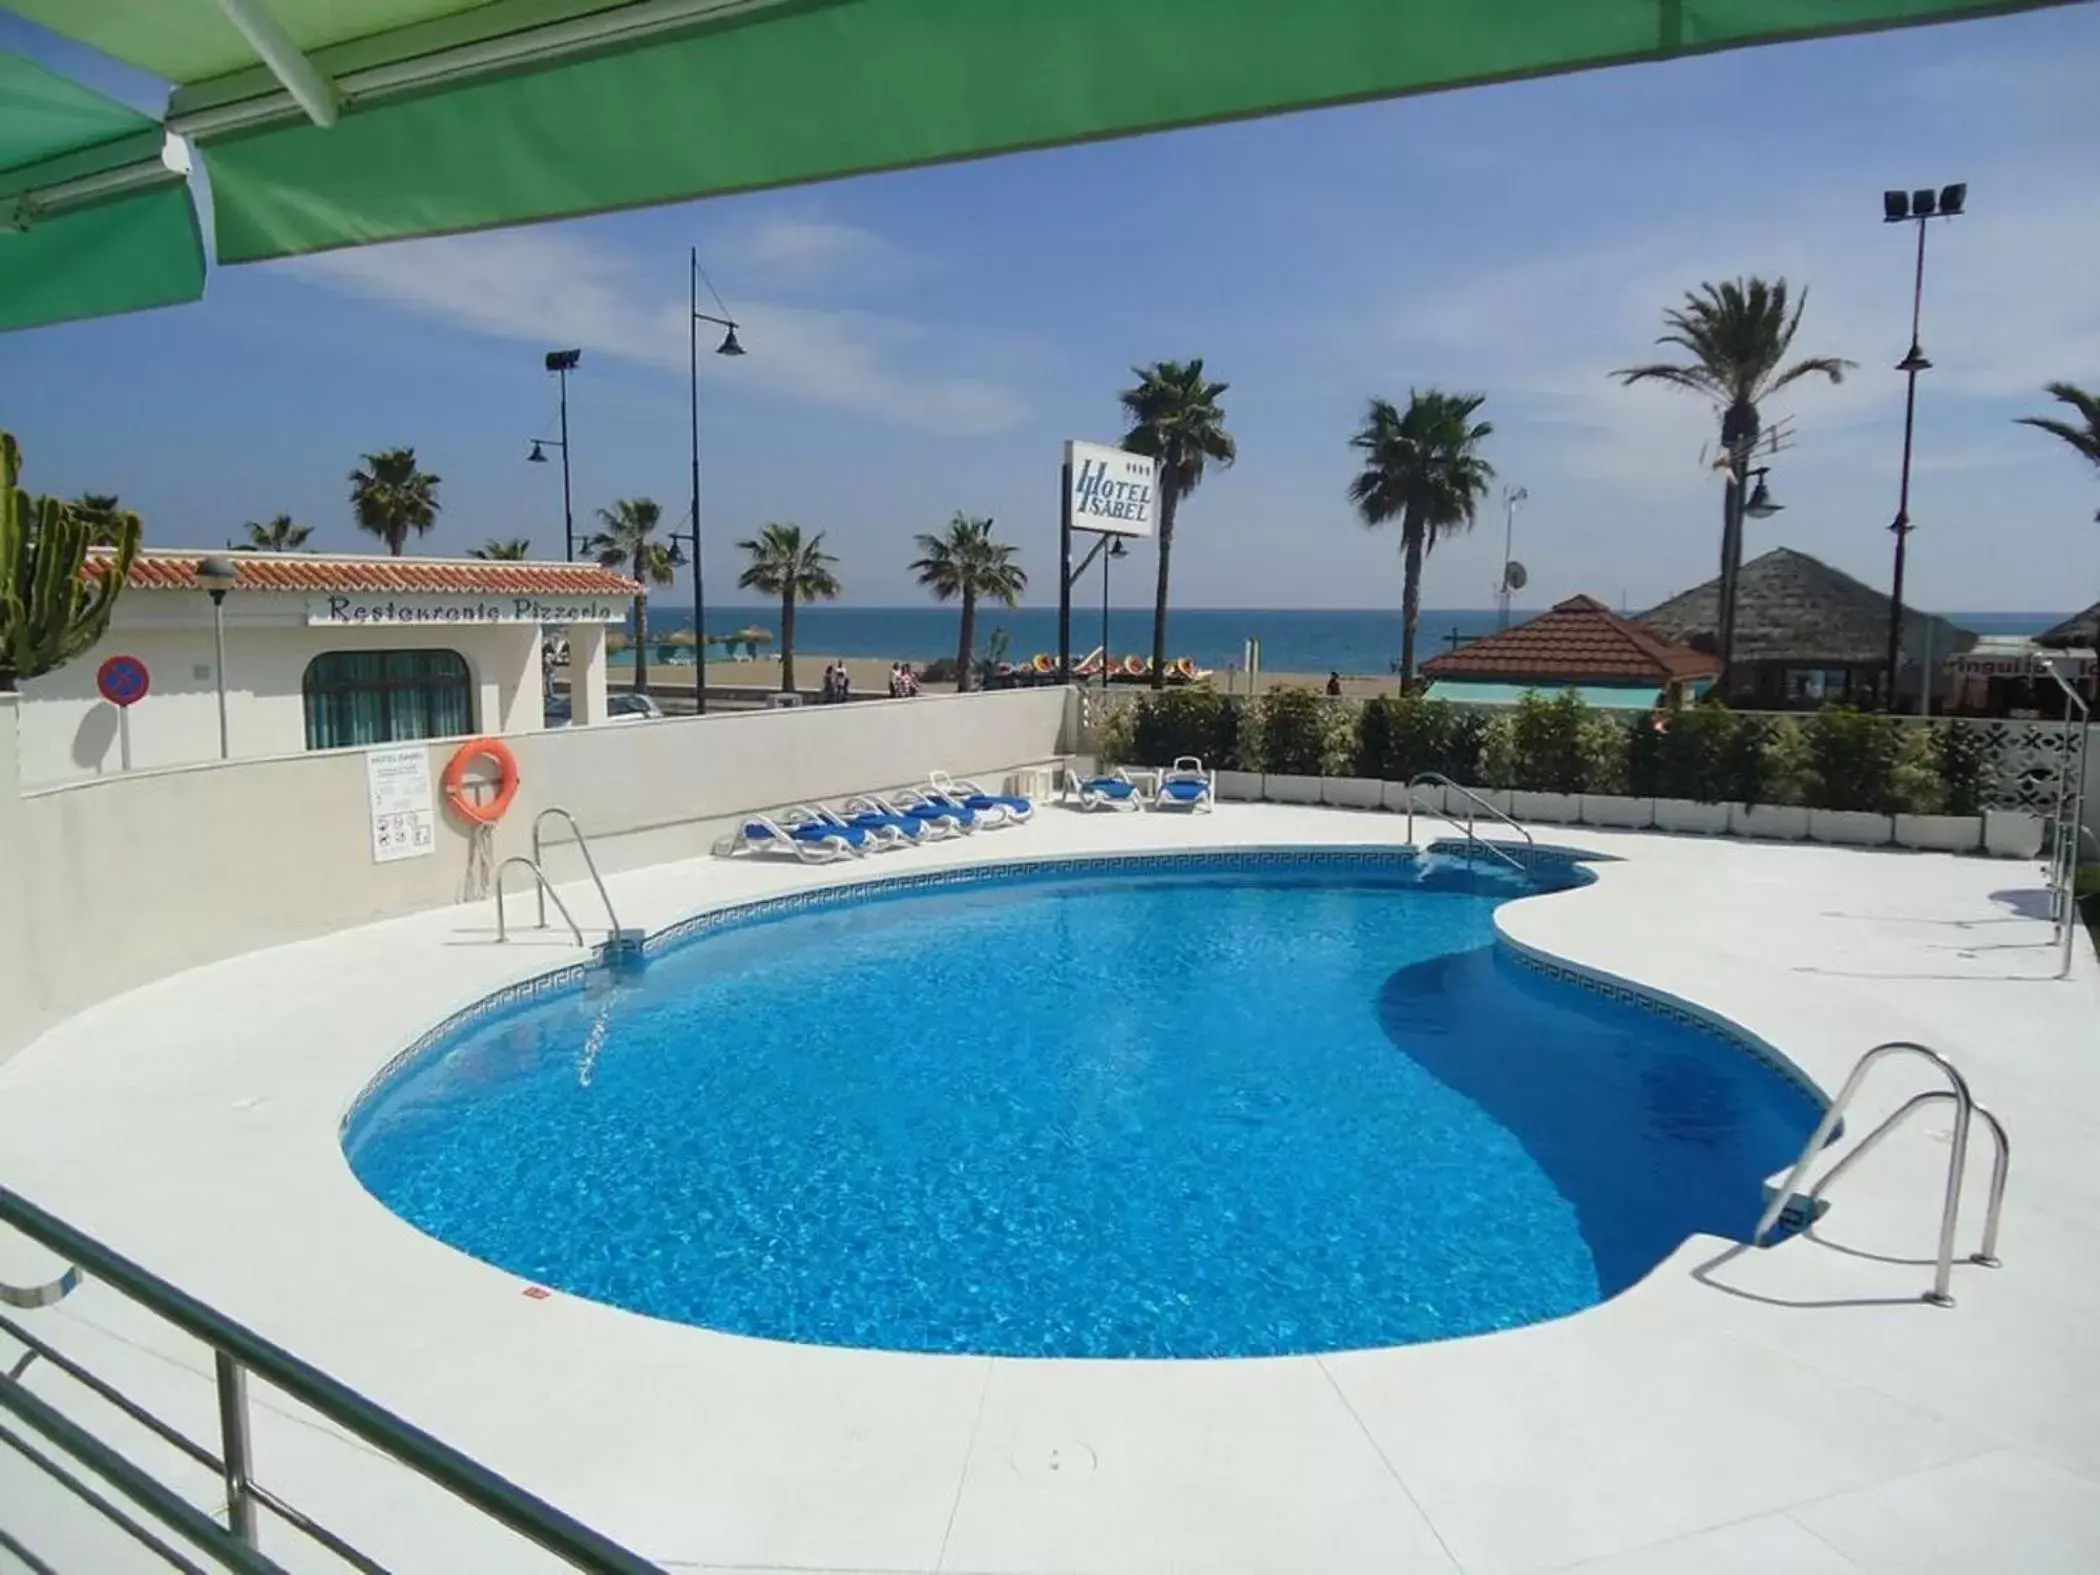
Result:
[{"x": 506, "y": 763}]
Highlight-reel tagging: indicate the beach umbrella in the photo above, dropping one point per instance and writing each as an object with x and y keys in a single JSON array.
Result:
[{"x": 327, "y": 123}]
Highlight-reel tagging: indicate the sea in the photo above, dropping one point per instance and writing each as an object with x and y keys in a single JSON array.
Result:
[{"x": 1357, "y": 641}]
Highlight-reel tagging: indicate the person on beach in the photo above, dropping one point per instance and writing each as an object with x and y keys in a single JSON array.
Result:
[
  {"x": 1334, "y": 685},
  {"x": 896, "y": 680}
]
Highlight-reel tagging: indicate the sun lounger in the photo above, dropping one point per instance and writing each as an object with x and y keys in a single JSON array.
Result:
[
  {"x": 1008, "y": 809},
  {"x": 1186, "y": 785},
  {"x": 948, "y": 818},
  {"x": 810, "y": 841},
  {"x": 1112, "y": 791}
]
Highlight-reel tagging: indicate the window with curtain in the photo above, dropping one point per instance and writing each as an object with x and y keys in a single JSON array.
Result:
[{"x": 379, "y": 697}]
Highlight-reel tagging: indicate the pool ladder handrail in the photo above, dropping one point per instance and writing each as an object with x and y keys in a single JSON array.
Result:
[
  {"x": 583, "y": 846},
  {"x": 1965, "y": 1106},
  {"x": 1472, "y": 799},
  {"x": 546, "y": 889}
]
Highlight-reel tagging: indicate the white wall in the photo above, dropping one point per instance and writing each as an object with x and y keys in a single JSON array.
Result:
[
  {"x": 111, "y": 882},
  {"x": 69, "y": 731}
]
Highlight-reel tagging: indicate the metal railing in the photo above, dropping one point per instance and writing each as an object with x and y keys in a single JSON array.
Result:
[
  {"x": 237, "y": 1352},
  {"x": 1473, "y": 800},
  {"x": 546, "y": 890},
  {"x": 2070, "y": 813},
  {"x": 583, "y": 846},
  {"x": 1965, "y": 1106}
]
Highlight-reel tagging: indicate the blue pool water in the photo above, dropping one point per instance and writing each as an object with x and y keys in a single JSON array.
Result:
[{"x": 1165, "y": 1112}]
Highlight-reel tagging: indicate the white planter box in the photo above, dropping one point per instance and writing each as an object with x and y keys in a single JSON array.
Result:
[
  {"x": 1557, "y": 809},
  {"x": 1858, "y": 828},
  {"x": 1941, "y": 833},
  {"x": 2012, "y": 833},
  {"x": 1690, "y": 817},
  {"x": 1610, "y": 809},
  {"x": 1242, "y": 787},
  {"x": 1355, "y": 792},
  {"x": 1290, "y": 790},
  {"x": 1785, "y": 822}
]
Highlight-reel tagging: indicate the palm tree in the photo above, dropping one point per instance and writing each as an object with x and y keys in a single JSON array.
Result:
[
  {"x": 103, "y": 515},
  {"x": 623, "y": 541},
  {"x": 2084, "y": 440},
  {"x": 783, "y": 564},
  {"x": 966, "y": 562},
  {"x": 1175, "y": 417},
  {"x": 1424, "y": 468},
  {"x": 282, "y": 534},
  {"x": 393, "y": 497},
  {"x": 1738, "y": 334},
  {"x": 504, "y": 549}
]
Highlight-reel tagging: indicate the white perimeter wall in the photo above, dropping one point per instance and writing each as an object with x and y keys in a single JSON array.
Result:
[
  {"x": 109, "y": 883},
  {"x": 69, "y": 731}
]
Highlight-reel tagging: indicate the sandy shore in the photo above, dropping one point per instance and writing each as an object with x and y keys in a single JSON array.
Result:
[{"x": 871, "y": 676}]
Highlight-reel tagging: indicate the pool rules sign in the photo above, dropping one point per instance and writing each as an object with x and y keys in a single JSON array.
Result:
[{"x": 404, "y": 818}]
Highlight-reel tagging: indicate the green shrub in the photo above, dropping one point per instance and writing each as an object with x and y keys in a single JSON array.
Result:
[
  {"x": 1464, "y": 746},
  {"x": 1918, "y": 786},
  {"x": 1115, "y": 741},
  {"x": 1647, "y": 733},
  {"x": 1501, "y": 766},
  {"x": 1193, "y": 721},
  {"x": 1604, "y": 755},
  {"x": 1294, "y": 731},
  {"x": 1547, "y": 736},
  {"x": 1397, "y": 738},
  {"x": 1699, "y": 756},
  {"x": 1852, "y": 760},
  {"x": 1964, "y": 758},
  {"x": 1785, "y": 769}
]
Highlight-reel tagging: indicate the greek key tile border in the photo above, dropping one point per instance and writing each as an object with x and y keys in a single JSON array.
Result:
[{"x": 1661, "y": 1005}]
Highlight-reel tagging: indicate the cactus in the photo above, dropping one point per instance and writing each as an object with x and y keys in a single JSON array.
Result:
[{"x": 51, "y": 608}]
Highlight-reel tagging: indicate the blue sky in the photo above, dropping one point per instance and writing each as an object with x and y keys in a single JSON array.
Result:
[{"x": 922, "y": 342}]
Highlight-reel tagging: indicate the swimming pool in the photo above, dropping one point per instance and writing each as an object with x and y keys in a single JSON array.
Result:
[{"x": 1224, "y": 1105}]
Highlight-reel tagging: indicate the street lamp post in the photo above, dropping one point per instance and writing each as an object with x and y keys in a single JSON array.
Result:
[
  {"x": 1116, "y": 550},
  {"x": 218, "y": 576},
  {"x": 1511, "y": 497},
  {"x": 730, "y": 347},
  {"x": 1914, "y": 207},
  {"x": 561, "y": 363}
]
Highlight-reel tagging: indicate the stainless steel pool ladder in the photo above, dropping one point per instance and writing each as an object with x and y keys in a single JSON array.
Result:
[
  {"x": 546, "y": 890},
  {"x": 1473, "y": 801},
  {"x": 153, "y": 1511},
  {"x": 1965, "y": 1106},
  {"x": 583, "y": 846}
]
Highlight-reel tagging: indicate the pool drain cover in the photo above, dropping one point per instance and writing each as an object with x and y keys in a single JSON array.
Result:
[{"x": 1065, "y": 1462}]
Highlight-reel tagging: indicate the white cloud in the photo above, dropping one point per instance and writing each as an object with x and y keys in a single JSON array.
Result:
[{"x": 542, "y": 286}]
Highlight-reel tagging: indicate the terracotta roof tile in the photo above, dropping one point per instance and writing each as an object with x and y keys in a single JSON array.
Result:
[
  {"x": 306, "y": 571},
  {"x": 1579, "y": 641}
]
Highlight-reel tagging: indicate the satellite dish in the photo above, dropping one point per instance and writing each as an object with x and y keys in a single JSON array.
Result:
[{"x": 1515, "y": 576}]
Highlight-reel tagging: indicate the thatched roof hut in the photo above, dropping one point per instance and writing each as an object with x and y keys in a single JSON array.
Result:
[
  {"x": 2080, "y": 632},
  {"x": 1798, "y": 610}
]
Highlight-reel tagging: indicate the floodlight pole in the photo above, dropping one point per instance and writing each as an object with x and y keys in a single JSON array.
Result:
[{"x": 1951, "y": 202}]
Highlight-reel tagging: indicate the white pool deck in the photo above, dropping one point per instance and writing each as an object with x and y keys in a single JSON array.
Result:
[{"x": 1795, "y": 1409}]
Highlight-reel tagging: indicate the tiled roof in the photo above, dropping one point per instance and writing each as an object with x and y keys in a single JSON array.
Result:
[
  {"x": 1580, "y": 640},
  {"x": 297, "y": 572}
]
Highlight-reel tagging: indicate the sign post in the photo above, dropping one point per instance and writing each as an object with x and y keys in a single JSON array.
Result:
[
  {"x": 1110, "y": 492},
  {"x": 123, "y": 682}
]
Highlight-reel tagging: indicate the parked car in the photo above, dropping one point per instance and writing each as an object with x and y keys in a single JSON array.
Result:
[{"x": 625, "y": 706}]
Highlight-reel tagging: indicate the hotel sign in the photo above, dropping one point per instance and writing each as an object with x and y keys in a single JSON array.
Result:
[
  {"x": 1111, "y": 490},
  {"x": 382, "y": 609}
]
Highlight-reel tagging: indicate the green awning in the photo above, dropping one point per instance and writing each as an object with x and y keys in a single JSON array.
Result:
[
  {"x": 1605, "y": 697},
  {"x": 743, "y": 96},
  {"x": 95, "y": 212},
  {"x": 376, "y": 120}
]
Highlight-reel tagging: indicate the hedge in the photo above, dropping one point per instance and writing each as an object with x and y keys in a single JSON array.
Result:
[{"x": 1837, "y": 758}]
